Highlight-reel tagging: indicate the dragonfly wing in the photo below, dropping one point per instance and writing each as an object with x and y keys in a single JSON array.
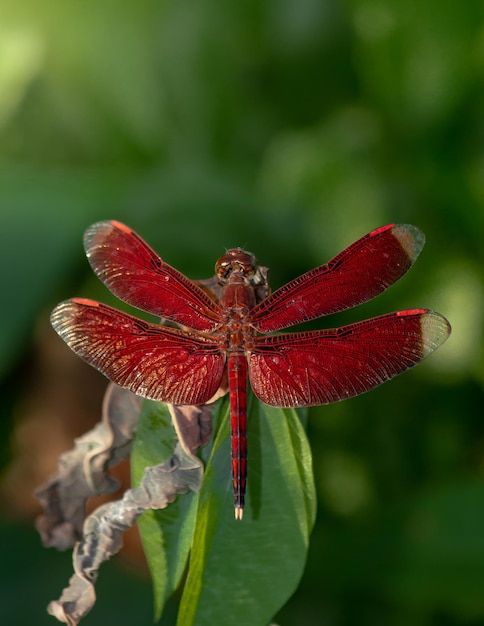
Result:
[
  {"x": 138, "y": 276},
  {"x": 312, "y": 368},
  {"x": 150, "y": 360},
  {"x": 359, "y": 273}
]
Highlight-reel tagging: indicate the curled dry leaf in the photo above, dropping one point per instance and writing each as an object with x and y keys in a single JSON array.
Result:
[
  {"x": 82, "y": 473},
  {"x": 103, "y": 529},
  {"x": 193, "y": 424}
]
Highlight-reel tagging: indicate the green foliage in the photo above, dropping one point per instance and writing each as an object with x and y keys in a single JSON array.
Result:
[
  {"x": 238, "y": 572},
  {"x": 167, "y": 534}
]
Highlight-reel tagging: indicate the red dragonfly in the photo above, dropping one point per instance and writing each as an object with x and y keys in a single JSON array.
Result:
[{"x": 217, "y": 334}]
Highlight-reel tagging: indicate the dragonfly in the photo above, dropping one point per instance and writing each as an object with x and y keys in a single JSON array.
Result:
[{"x": 223, "y": 333}]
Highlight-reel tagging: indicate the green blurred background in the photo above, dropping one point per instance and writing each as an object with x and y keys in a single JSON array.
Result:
[{"x": 291, "y": 129}]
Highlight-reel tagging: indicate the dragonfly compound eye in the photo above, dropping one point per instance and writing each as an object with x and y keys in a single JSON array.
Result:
[{"x": 236, "y": 259}]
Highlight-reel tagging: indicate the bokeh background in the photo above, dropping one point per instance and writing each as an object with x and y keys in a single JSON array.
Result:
[{"x": 291, "y": 129}]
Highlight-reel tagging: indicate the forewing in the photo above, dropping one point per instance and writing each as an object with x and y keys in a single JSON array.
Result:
[
  {"x": 138, "y": 276},
  {"x": 312, "y": 368},
  {"x": 150, "y": 360},
  {"x": 359, "y": 273}
]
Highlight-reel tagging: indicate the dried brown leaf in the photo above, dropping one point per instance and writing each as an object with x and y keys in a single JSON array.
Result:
[
  {"x": 104, "y": 528},
  {"x": 82, "y": 472}
]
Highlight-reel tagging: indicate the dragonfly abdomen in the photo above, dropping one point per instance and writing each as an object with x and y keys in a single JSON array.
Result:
[{"x": 237, "y": 374}]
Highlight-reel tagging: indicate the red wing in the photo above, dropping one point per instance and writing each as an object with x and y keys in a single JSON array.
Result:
[
  {"x": 137, "y": 275},
  {"x": 356, "y": 275},
  {"x": 150, "y": 360},
  {"x": 311, "y": 368}
]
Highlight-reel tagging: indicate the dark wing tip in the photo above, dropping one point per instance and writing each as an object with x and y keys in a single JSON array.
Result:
[
  {"x": 102, "y": 229},
  {"x": 65, "y": 313},
  {"x": 436, "y": 330},
  {"x": 411, "y": 238}
]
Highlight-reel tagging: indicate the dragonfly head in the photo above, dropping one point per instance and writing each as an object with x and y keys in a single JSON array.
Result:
[
  {"x": 236, "y": 261},
  {"x": 241, "y": 267}
]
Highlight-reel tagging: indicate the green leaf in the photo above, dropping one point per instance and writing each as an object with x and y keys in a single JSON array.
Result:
[
  {"x": 167, "y": 534},
  {"x": 240, "y": 572},
  {"x": 243, "y": 572}
]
